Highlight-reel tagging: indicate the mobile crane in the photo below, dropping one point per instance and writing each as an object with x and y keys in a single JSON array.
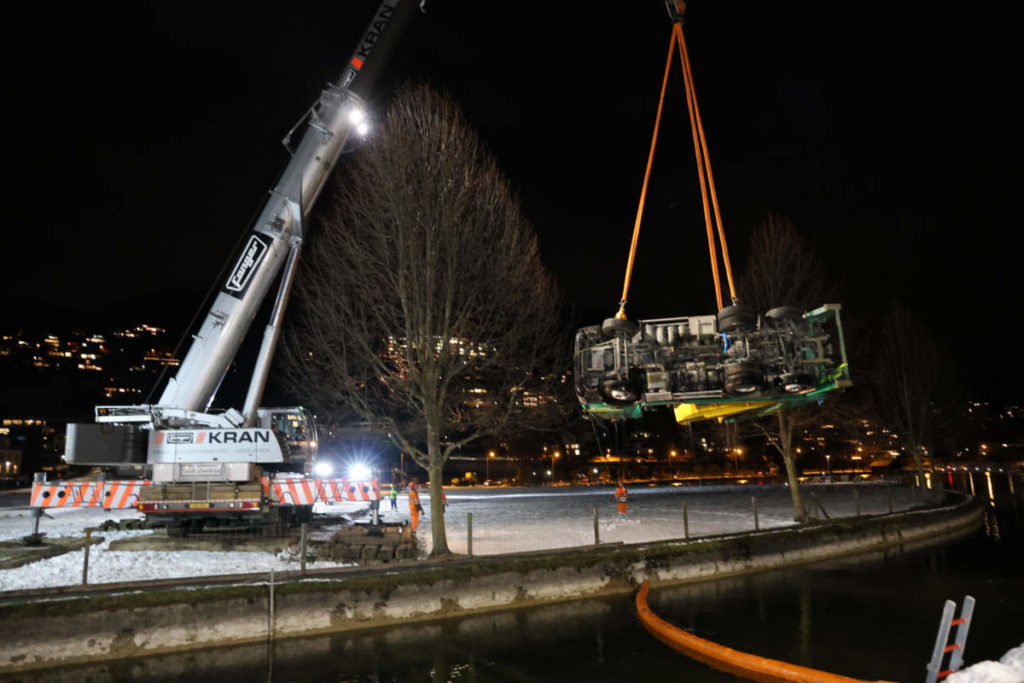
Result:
[{"x": 208, "y": 465}]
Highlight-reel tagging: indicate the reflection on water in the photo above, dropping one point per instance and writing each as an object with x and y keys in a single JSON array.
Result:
[{"x": 872, "y": 617}]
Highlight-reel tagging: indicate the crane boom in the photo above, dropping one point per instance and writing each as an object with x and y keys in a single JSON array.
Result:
[{"x": 278, "y": 230}]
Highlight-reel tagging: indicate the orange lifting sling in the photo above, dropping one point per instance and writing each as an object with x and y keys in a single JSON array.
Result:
[{"x": 707, "y": 180}]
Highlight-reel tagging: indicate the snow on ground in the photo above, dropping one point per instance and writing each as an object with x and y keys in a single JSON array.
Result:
[
  {"x": 110, "y": 566},
  {"x": 504, "y": 520},
  {"x": 519, "y": 520},
  {"x": 1009, "y": 669}
]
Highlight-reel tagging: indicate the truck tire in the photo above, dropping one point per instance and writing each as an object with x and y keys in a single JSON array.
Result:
[
  {"x": 618, "y": 392},
  {"x": 796, "y": 382},
  {"x": 781, "y": 315},
  {"x": 742, "y": 379},
  {"x": 737, "y": 318},
  {"x": 618, "y": 327}
]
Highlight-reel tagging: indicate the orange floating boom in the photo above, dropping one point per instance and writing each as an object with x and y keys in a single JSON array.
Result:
[{"x": 726, "y": 659}]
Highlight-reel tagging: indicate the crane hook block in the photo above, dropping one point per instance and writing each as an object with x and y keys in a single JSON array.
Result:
[{"x": 675, "y": 8}]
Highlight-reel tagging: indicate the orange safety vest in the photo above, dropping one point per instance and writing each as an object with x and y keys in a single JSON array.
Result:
[{"x": 620, "y": 494}]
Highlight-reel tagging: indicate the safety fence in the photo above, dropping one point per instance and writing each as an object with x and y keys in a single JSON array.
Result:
[
  {"x": 482, "y": 523},
  {"x": 477, "y": 526}
]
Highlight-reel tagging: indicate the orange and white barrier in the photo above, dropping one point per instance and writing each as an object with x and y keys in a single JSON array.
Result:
[
  {"x": 301, "y": 491},
  {"x": 726, "y": 659},
  {"x": 120, "y": 494},
  {"x": 109, "y": 495}
]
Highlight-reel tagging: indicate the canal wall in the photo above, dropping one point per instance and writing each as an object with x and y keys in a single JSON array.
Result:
[{"x": 54, "y": 627}]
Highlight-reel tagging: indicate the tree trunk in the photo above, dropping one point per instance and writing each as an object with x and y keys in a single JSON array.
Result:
[
  {"x": 436, "y": 473},
  {"x": 786, "y": 446}
]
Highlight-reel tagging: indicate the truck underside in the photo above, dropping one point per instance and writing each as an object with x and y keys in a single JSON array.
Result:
[{"x": 710, "y": 366}]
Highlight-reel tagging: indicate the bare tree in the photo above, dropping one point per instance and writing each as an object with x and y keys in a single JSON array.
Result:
[
  {"x": 425, "y": 309},
  {"x": 906, "y": 379},
  {"x": 783, "y": 269}
]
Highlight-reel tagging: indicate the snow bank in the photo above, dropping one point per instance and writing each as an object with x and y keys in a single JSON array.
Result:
[
  {"x": 1009, "y": 669},
  {"x": 111, "y": 566}
]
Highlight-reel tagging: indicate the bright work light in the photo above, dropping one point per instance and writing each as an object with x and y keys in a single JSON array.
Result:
[{"x": 359, "y": 472}]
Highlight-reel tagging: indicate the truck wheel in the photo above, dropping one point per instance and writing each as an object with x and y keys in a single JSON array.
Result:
[
  {"x": 742, "y": 379},
  {"x": 737, "y": 318},
  {"x": 618, "y": 392},
  {"x": 778, "y": 317},
  {"x": 617, "y": 327}
]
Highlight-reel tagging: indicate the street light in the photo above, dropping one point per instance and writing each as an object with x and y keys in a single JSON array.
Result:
[
  {"x": 672, "y": 463},
  {"x": 487, "y": 466},
  {"x": 828, "y": 464},
  {"x": 554, "y": 456}
]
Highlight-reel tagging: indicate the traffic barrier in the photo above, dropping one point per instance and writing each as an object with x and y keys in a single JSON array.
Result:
[
  {"x": 726, "y": 659},
  {"x": 110, "y": 495},
  {"x": 302, "y": 491},
  {"x": 120, "y": 494}
]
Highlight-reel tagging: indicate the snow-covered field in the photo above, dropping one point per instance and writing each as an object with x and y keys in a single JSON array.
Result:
[
  {"x": 519, "y": 520},
  {"x": 504, "y": 520}
]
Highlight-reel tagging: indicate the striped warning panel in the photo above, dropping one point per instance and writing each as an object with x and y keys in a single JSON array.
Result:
[
  {"x": 110, "y": 495},
  {"x": 117, "y": 495},
  {"x": 302, "y": 491}
]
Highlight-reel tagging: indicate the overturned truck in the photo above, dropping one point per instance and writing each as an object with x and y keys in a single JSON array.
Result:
[{"x": 711, "y": 366}]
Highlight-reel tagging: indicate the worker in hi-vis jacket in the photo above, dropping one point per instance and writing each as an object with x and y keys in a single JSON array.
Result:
[
  {"x": 620, "y": 499},
  {"x": 414, "y": 504}
]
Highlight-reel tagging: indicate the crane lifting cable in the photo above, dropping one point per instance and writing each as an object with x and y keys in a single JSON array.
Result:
[{"x": 707, "y": 181}]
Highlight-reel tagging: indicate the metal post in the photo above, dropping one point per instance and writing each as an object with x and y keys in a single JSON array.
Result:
[
  {"x": 597, "y": 534},
  {"x": 469, "y": 533},
  {"x": 917, "y": 494},
  {"x": 753, "y": 503},
  {"x": 856, "y": 503},
  {"x": 270, "y": 610},
  {"x": 686, "y": 522},
  {"x": 37, "y": 478},
  {"x": 85, "y": 565},
  {"x": 821, "y": 507},
  {"x": 302, "y": 547},
  {"x": 890, "y": 499},
  {"x": 36, "y": 514}
]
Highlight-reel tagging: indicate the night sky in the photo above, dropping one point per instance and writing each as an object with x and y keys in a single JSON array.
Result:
[{"x": 143, "y": 137}]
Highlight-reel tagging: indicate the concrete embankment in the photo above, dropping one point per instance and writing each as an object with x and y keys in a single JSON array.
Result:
[{"x": 53, "y": 627}]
